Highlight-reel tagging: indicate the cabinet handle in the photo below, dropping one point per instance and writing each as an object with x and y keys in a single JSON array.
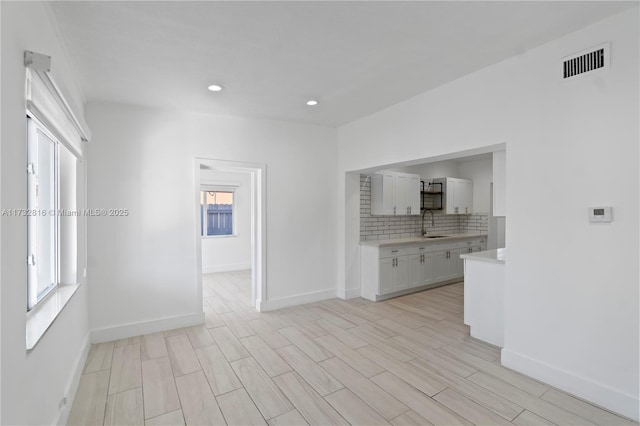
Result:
[
  {"x": 394, "y": 209},
  {"x": 448, "y": 254}
]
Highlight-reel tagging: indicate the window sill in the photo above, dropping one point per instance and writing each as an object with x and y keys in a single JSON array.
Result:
[
  {"x": 206, "y": 237},
  {"x": 40, "y": 319}
]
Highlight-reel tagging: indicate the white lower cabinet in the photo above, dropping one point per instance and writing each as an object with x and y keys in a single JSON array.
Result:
[
  {"x": 440, "y": 266},
  {"x": 386, "y": 275},
  {"x": 457, "y": 264},
  {"x": 420, "y": 269},
  {"x": 393, "y": 270},
  {"x": 401, "y": 273},
  {"x": 448, "y": 264}
]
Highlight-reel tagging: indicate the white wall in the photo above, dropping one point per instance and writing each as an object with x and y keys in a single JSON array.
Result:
[
  {"x": 143, "y": 267},
  {"x": 33, "y": 383},
  {"x": 481, "y": 173},
  {"x": 572, "y": 287},
  {"x": 230, "y": 253}
]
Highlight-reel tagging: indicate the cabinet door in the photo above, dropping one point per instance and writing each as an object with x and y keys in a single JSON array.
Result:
[
  {"x": 428, "y": 269},
  {"x": 440, "y": 266},
  {"x": 382, "y": 193},
  {"x": 450, "y": 196},
  {"x": 456, "y": 263},
  {"x": 386, "y": 275},
  {"x": 416, "y": 270},
  {"x": 401, "y": 190},
  {"x": 460, "y": 196},
  {"x": 466, "y": 204},
  {"x": 413, "y": 195},
  {"x": 401, "y": 273},
  {"x": 387, "y": 194}
]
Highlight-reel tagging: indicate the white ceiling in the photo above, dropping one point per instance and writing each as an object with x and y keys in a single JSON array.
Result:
[{"x": 355, "y": 57}]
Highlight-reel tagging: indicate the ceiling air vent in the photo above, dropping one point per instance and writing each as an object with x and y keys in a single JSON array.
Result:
[{"x": 586, "y": 61}]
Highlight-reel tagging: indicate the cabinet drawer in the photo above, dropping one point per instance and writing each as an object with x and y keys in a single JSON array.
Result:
[
  {"x": 419, "y": 249},
  {"x": 393, "y": 251},
  {"x": 474, "y": 242},
  {"x": 445, "y": 246},
  {"x": 471, "y": 249}
]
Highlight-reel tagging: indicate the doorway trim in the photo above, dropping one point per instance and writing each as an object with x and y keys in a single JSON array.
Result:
[{"x": 258, "y": 222}]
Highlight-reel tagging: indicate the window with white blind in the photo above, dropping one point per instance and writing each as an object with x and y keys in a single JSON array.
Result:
[{"x": 54, "y": 163}]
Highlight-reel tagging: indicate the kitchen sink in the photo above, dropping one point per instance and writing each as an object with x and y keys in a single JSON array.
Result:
[{"x": 435, "y": 236}]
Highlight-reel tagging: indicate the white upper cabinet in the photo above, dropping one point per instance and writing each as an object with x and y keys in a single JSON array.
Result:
[
  {"x": 499, "y": 183},
  {"x": 382, "y": 191},
  {"x": 395, "y": 193},
  {"x": 458, "y": 195},
  {"x": 413, "y": 195},
  {"x": 401, "y": 193}
]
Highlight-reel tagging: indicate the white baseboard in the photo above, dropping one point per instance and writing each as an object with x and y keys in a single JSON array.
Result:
[
  {"x": 211, "y": 269},
  {"x": 300, "y": 299},
  {"x": 72, "y": 385},
  {"x": 350, "y": 293},
  {"x": 582, "y": 387},
  {"x": 136, "y": 329}
]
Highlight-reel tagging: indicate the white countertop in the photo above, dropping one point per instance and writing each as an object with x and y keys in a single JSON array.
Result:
[
  {"x": 420, "y": 240},
  {"x": 495, "y": 256}
]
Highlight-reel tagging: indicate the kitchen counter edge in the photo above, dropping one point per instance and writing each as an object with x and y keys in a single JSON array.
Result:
[
  {"x": 420, "y": 240},
  {"x": 494, "y": 256}
]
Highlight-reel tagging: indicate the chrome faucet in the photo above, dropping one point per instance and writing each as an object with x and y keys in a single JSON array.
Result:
[{"x": 424, "y": 232}]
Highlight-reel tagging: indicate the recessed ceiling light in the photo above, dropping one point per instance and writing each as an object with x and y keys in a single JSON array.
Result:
[
  {"x": 312, "y": 102},
  {"x": 215, "y": 88}
]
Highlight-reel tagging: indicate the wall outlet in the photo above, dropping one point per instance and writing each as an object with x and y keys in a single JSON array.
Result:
[{"x": 84, "y": 273}]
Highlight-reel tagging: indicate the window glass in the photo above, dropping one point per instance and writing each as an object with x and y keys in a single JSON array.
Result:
[
  {"x": 216, "y": 209},
  {"x": 42, "y": 201}
]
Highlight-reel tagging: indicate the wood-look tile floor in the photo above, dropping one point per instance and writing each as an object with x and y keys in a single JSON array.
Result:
[{"x": 404, "y": 361}]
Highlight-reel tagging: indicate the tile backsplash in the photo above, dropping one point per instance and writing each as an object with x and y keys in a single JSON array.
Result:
[{"x": 392, "y": 227}]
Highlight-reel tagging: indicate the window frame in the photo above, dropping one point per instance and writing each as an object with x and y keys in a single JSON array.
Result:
[
  {"x": 34, "y": 299},
  {"x": 234, "y": 225}
]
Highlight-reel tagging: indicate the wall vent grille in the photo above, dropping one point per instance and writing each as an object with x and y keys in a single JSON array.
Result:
[{"x": 586, "y": 61}]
